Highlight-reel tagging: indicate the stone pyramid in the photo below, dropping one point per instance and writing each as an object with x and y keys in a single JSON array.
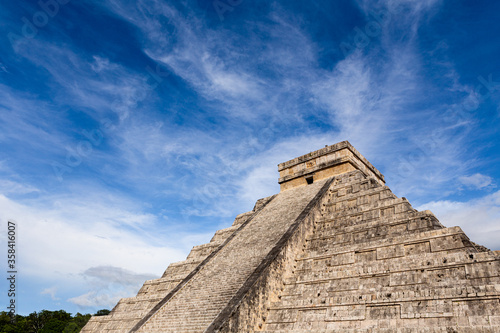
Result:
[{"x": 334, "y": 251}]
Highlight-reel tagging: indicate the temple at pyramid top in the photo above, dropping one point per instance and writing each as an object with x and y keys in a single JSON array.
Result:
[
  {"x": 334, "y": 251},
  {"x": 325, "y": 163}
]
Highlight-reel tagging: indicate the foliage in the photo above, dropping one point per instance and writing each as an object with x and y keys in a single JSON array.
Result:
[
  {"x": 103, "y": 312},
  {"x": 46, "y": 322}
]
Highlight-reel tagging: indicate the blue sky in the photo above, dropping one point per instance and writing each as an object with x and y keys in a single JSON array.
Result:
[{"x": 131, "y": 131}]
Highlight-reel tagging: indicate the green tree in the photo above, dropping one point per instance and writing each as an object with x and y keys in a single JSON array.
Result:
[
  {"x": 72, "y": 328},
  {"x": 36, "y": 321},
  {"x": 6, "y": 324},
  {"x": 44, "y": 322},
  {"x": 103, "y": 312},
  {"x": 80, "y": 320},
  {"x": 53, "y": 325},
  {"x": 60, "y": 315}
]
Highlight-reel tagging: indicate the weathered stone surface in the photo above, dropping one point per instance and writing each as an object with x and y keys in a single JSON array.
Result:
[
  {"x": 129, "y": 311},
  {"x": 197, "y": 305},
  {"x": 335, "y": 251}
]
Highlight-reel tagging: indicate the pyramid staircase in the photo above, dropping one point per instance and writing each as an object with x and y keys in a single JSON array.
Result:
[
  {"x": 334, "y": 251},
  {"x": 129, "y": 311}
]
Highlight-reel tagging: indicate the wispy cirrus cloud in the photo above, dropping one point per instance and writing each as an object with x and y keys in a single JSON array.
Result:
[
  {"x": 190, "y": 115},
  {"x": 359, "y": 95},
  {"x": 12, "y": 188},
  {"x": 477, "y": 181}
]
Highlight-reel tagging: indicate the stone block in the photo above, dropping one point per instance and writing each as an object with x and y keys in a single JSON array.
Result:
[
  {"x": 388, "y": 252},
  {"x": 446, "y": 243},
  {"x": 417, "y": 248},
  {"x": 345, "y": 313},
  {"x": 343, "y": 259},
  {"x": 282, "y": 316},
  {"x": 383, "y": 312}
]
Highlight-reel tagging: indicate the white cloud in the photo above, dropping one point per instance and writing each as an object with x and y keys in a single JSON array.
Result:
[
  {"x": 67, "y": 237},
  {"x": 219, "y": 68},
  {"x": 12, "y": 187},
  {"x": 95, "y": 299},
  {"x": 98, "y": 87},
  {"x": 101, "y": 64},
  {"x": 356, "y": 100},
  {"x": 479, "y": 218},
  {"x": 363, "y": 99},
  {"x": 108, "y": 275},
  {"x": 477, "y": 181},
  {"x": 407, "y": 15},
  {"x": 109, "y": 284},
  {"x": 51, "y": 292},
  {"x": 59, "y": 238},
  {"x": 20, "y": 122}
]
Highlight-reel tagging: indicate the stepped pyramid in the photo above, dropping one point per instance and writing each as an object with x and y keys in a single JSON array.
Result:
[{"x": 334, "y": 251}]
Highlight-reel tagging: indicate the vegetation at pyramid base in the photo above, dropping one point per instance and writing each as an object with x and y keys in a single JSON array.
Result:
[{"x": 46, "y": 322}]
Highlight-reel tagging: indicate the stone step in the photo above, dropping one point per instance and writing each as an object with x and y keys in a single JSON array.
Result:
[
  {"x": 142, "y": 298},
  {"x": 352, "y": 207},
  {"x": 414, "y": 221},
  {"x": 364, "y": 197},
  {"x": 222, "y": 234},
  {"x": 453, "y": 328},
  {"x": 108, "y": 325},
  {"x": 311, "y": 295},
  {"x": 323, "y": 295},
  {"x": 423, "y": 242},
  {"x": 351, "y": 182},
  {"x": 353, "y": 188},
  {"x": 202, "y": 251},
  {"x": 407, "y": 310},
  {"x": 180, "y": 266},
  {"x": 395, "y": 210},
  {"x": 420, "y": 221},
  {"x": 162, "y": 286},
  {"x": 210, "y": 290},
  {"x": 404, "y": 227},
  {"x": 242, "y": 218},
  {"x": 383, "y": 265},
  {"x": 382, "y": 209},
  {"x": 450, "y": 283},
  {"x": 130, "y": 310}
]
